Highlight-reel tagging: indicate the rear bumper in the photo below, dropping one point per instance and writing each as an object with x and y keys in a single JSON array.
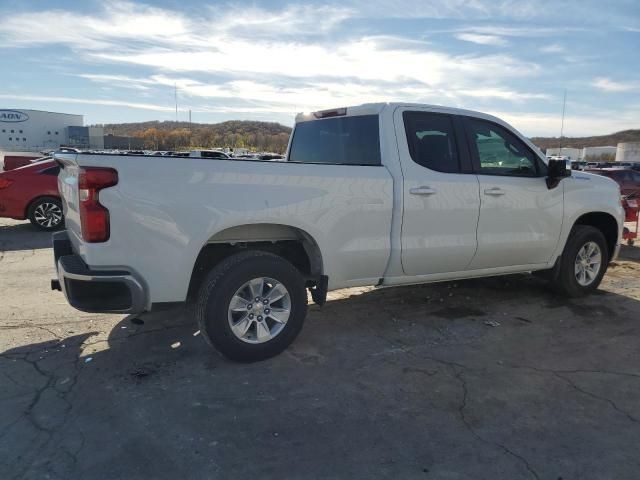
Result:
[{"x": 95, "y": 291}]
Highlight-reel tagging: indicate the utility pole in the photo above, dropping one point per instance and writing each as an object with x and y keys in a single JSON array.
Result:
[
  {"x": 175, "y": 92},
  {"x": 564, "y": 104}
]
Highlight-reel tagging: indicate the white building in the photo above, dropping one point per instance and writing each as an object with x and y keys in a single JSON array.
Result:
[
  {"x": 628, "y": 152},
  {"x": 574, "y": 154},
  {"x": 597, "y": 152},
  {"x": 580, "y": 154},
  {"x": 34, "y": 130}
]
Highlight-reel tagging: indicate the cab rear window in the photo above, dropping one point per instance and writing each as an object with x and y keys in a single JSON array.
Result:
[{"x": 340, "y": 141}]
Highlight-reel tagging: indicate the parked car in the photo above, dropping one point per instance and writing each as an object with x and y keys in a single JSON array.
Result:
[
  {"x": 379, "y": 194},
  {"x": 31, "y": 192},
  {"x": 208, "y": 154},
  {"x": 627, "y": 178},
  {"x": 270, "y": 156},
  {"x": 558, "y": 157},
  {"x": 578, "y": 165},
  {"x": 11, "y": 162}
]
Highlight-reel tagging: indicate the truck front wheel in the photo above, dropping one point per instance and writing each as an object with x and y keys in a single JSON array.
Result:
[
  {"x": 251, "y": 306},
  {"x": 583, "y": 263}
]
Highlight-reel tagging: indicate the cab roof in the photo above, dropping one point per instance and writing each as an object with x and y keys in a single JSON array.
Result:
[{"x": 378, "y": 108}]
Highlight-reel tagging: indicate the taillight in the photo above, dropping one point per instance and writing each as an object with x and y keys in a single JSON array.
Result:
[
  {"x": 5, "y": 183},
  {"x": 94, "y": 217}
]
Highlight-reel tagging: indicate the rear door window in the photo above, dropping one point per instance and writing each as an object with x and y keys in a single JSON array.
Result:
[
  {"x": 431, "y": 140},
  {"x": 341, "y": 141}
]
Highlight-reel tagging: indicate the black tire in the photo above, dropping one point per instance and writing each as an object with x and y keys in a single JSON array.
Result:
[
  {"x": 35, "y": 216},
  {"x": 565, "y": 279},
  {"x": 221, "y": 284}
]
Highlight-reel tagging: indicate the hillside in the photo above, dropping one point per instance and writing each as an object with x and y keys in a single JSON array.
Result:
[
  {"x": 579, "y": 142},
  {"x": 167, "y": 135}
]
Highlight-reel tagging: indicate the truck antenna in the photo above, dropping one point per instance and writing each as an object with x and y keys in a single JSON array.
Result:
[{"x": 564, "y": 104}]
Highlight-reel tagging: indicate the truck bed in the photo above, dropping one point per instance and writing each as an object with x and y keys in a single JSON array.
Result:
[{"x": 164, "y": 210}]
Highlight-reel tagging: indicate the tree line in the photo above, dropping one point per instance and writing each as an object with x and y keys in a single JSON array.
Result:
[
  {"x": 580, "y": 142},
  {"x": 254, "y": 135}
]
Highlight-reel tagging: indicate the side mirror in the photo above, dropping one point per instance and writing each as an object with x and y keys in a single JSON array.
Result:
[{"x": 556, "y": 171}]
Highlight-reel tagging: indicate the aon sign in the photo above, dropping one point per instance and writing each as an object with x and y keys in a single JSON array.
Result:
[{"x": 13, "y": 116}]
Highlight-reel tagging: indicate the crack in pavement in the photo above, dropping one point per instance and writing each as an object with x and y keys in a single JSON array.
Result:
[
  {"x": 561, "y": 374},
  {"x": 598, "y": 397},
  {"x": 461, "y": 410},
  {"x": 458, "y": 370},
  {"x": 29, "y": 412},
  {"x": 61, "y": 414},
  {"x": 38, "y": 327}
]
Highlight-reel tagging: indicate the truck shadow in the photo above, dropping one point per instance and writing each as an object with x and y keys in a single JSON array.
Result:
[
  {"x": 23, "y": 236},
  {"x": 630, "y": 253},
  {"x": 156, "y": 383}
]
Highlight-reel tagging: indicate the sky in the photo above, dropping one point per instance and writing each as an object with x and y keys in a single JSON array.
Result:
[{"x": 118, "y": 61}]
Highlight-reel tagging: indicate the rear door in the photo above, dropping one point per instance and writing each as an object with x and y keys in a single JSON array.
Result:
[
  {"x": 441, "y": 193},
  {"x": 520, "y": 217}
]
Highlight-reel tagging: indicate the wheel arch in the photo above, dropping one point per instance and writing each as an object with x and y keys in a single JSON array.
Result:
[
  {"x": 292, "y": 243},
  {"x": 606, "y": 223}
]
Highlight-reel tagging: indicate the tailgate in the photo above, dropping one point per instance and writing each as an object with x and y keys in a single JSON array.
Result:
[{"x": 68, "y": 188}]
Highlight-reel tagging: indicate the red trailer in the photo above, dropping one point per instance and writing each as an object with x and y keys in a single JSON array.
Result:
[{"x": 631, "y": 213}]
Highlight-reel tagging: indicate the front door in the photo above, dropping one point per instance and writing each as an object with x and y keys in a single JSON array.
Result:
[
  {"x": 441, "y": 195},
  {"x": 520, "y": 217}
]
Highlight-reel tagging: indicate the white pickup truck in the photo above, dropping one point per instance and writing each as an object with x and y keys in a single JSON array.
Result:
[{"x": 378, "y": 194}]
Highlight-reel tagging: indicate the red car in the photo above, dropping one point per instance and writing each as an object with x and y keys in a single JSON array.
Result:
[
  {"x": 32, "y": 192},
  {"x": 12, "y": 162},
  {"x": 628, "y": 179}
]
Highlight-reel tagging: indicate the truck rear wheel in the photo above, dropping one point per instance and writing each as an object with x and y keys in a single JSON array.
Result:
[
  {"x": 584, "y": 262},
  {"x": 251, "y": 306}
]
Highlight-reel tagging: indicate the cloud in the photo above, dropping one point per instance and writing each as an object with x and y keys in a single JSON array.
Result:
[
  {"x": 300, "y": 57},
  {"x": 121, "y": 20},
  {"x": 167, "y": 40},
  {"x": 553, "y": 48},
  {"x": 121, "y": 81},
  {"x": 234, "y": 72},
  {"x": 89, "y": 101},
  {"x": 482, "y": 39},
  {"x": 544, "y": 124},
  {"x": 503, "y": 94},
  {"x": 581, "y": 12},
  {"x": 358, "y": 59},
  {"x": 608, "y": 85},
  {"x": 249, "y": 96},
  {"x": 292, "y": 20}
]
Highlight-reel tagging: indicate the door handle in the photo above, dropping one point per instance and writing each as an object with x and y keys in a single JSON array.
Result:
[
  {"x": 422, "y": 191},
  {"x": 495, "y": 191}
]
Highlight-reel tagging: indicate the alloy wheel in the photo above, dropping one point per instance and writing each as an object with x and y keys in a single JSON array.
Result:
[{"x": 259, "y": 310}]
